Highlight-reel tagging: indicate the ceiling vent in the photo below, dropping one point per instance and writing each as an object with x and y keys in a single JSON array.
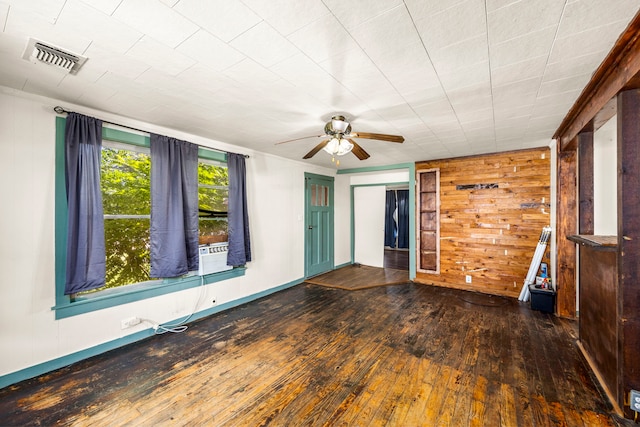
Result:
[{"x": 51, "y": 55}]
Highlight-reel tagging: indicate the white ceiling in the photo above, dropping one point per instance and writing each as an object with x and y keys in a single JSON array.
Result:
[{"x": 454, "y": 77}]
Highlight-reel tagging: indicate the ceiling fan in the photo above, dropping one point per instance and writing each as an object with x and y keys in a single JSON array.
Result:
[{"x": 340, "y": 140}]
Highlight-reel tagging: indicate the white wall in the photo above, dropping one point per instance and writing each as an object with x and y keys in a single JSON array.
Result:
[
  {"x": 29, "y": 333},
  {"x": 605, "y": 180}
]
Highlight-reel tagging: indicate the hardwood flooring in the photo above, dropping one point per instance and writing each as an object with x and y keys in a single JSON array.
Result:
[
  {"x": 404, "y": 355},
  {"x": 396, "y": 259},
  {"x": 355, "y": 277}
]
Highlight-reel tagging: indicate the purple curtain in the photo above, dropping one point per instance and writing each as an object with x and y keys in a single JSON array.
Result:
[
  {"x": 86, "y": 259},
  {"x": 174, "y": 206},
  {"x": 238, "y": 217}
]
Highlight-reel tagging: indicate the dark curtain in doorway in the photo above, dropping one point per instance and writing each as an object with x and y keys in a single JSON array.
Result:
[
  {"x": 390, "y": 228},
  {"x": 86, "y": 259},
  {"x": 174, "y": 206},
  {"x": 403, "y": 219}
]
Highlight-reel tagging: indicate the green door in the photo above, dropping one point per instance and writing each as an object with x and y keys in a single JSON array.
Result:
[{"x": 318, "y": 224}]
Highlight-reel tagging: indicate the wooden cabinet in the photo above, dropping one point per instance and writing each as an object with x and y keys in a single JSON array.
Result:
[{"x": 428, "y": 217}]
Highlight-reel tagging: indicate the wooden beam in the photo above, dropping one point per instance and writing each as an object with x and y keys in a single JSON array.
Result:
[
  {"x": 585, "y": 182},
  {"x": 628, "y": 243},
  {"x": 619, "y": 67},
  {"x": 566, "y": 226}
]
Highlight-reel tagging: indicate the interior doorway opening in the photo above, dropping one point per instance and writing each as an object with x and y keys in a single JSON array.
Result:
[{"x": 396, "y": 227}]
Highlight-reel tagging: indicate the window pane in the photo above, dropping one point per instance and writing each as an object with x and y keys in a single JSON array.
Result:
[
  {"x": 125, "y": 182},
  {"x": 126, "y": 185},
  {"x": 213, "y": 199},
  {"x": 210, "y": 173},
  {"x": 326, "y": 195},
  {"x": 213, "y": 193},
  {"x": 127, "y": 243},
  {"x": 313, "y": 195}
]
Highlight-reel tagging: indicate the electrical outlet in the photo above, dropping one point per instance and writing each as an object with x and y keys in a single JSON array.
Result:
[
  {"x": 129, "y": 322},
  {"x": 634, "y": 400},
  {"x": 467, "y": 278}
]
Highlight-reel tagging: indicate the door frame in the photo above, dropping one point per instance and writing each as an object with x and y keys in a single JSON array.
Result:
[
  {"x": 412, "y": 244},
  {"x": 307, "y": 221}
]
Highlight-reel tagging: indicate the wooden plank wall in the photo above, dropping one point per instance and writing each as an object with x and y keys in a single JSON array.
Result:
[{"x": 491, "y": 234}]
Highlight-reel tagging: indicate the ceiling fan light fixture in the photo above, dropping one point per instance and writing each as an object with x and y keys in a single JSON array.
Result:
[
  {"x": 339, "y": 124},
  {"x": 338, "y": 146}
]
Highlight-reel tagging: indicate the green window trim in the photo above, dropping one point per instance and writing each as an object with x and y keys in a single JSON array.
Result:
[{"x": 64, "y": 307}]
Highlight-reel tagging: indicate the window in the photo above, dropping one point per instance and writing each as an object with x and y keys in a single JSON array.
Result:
[
  {"x": 125, "y": 180},
  {"x": 126, "y": 185},
  {"x": 213, "y": 193}
]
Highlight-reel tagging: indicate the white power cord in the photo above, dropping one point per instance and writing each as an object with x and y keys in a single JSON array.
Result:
[{"x": 179, "y": 326}]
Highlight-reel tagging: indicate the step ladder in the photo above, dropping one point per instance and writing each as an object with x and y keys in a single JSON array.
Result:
[{"x": 545, "y": 236}]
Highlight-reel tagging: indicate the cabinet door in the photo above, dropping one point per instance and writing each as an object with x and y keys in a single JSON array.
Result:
[{"x": 428, "y": 217}]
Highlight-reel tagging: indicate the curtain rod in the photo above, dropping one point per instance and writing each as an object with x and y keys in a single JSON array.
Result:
[{"x": 58, "y": 109}]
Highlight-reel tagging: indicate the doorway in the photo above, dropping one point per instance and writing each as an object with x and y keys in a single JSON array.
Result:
[
  {"x": 319, "y": 224},
  {"x": 396, "y": 227}
]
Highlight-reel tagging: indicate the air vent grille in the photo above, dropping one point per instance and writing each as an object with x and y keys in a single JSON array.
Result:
[{"x": 54, "y": 56}]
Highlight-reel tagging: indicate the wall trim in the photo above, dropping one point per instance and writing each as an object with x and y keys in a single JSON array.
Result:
[
  {"x": 69, "y": 359},
  {"x": 376, "y": 168}
]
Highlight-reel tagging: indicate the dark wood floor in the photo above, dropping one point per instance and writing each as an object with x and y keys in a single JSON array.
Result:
[
  {"x": 396, "y": 259},
  {"x": 356, "y": 277},
  {"x": 404, "y": 355}
]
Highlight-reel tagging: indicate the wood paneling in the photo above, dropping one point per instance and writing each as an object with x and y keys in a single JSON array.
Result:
[
  {"x": 408, "y": 355},
  {"x": 490, "y": 234},
  {"x": 598, "y": 312},
  {"x": 566, "y": 225},
  {"x": 628, "y": 242},
  {"x": 585, "y": 182}
]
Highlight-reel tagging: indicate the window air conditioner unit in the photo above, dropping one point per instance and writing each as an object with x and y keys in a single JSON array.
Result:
[{"x": 213, "y": 258}]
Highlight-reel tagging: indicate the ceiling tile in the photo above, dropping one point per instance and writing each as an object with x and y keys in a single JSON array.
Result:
[
  {"x": 159, "y": 56},
  {"x": 97, "y": 26},
  {"x": 156, "y": 20},
  {"x": 493, "y": 5},
  {"x": 355, "y": 12},
  {"x": 387, "y": 34},
  {"x": 47, "y": 10},
  {"x": 225, "y": 19},
  {"x": 203, "y": 79},
  {"x": 250, "y": 73},
  {"x": 574, "y": 66},
  {"x": 4, "y": 14},
  {"x": 582, "y": 15},
  {"x": 302, "y": 72},
  {"x": 568, "y": 84},
  {"x": 420, "y": 9},
  {"x": 103, "y": 60},
  {"x": 519, "y": 49},
  {"x": 323, "y": 39},
  {"x": 454, "y": 25},
  {"x": 210, "y": 51},
  {"x": 586, "y": 42},
  {"x": 104, "y": 6},
  {"x": 287, "y": 16},
  {"x": 523, "y": 17},
  {"x": 461, "y": 55},
  {"x": 264, "y": 45},
  {"x": 24, "y": 24},
  {"x": 527, "y": 69}
]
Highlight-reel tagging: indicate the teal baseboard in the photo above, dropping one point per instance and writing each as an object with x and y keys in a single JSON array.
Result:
[{"x": 61, "y": 362}]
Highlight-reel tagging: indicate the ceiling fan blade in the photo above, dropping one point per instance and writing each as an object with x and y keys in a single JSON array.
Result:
[
  {"x": 315, "y": 150},
  {"x": 380, "y": 136},
  {"x": 358, "y": 151},
  {"x": 298, "y": 139}
]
